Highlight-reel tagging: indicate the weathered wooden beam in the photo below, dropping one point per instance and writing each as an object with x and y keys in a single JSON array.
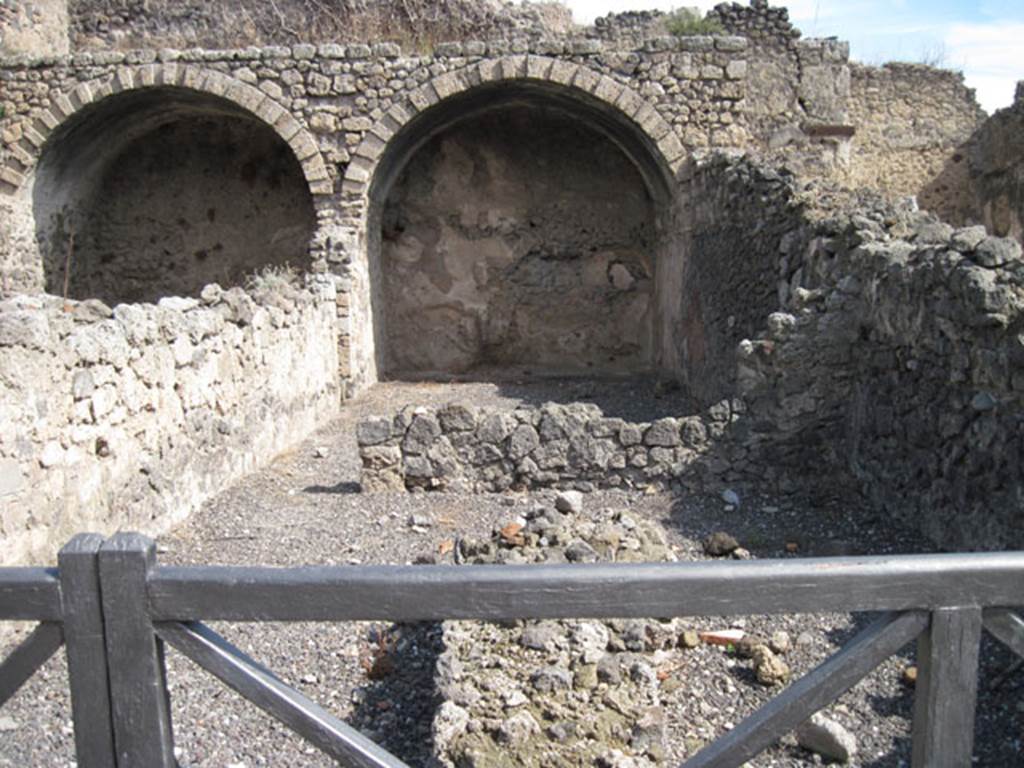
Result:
[
  {"x": 1007, "y": 627},
  {"x": 140, "y": 705},
  {"x": 29, "y": 594},
  {"x": 946, "y": 689},
  {"x": 86, "y": 651},
  {"x": 260, "y": 686},
  {"x": 416, "y": 593},
  {"x": 818, "y": 688},
  {"x": 30, "y": 654}
]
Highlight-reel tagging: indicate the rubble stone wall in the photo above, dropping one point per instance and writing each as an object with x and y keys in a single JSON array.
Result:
[
  {"x": 892, "y": 361},
  {"x": 463, "y": 448},
  {"x": 896, "y": 360},
  {"x": 996, "y": 158},
  {"x": 912, "y": 122},
  {"x": 341, "y": 107},
  {"x": 739, "y": 215},
  {"x": 34, "y": 27},
  {"x": 126, "y": 24},
  {"x": 129, "y": 419}
]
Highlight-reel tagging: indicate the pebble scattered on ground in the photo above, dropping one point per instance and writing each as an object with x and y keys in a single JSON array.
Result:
[{"x": 305, "y": 509}]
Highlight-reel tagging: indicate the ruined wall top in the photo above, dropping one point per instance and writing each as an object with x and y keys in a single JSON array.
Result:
[{"x": 416, "y": 24}]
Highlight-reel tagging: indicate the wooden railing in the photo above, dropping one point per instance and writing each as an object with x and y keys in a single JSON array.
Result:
[{"x": 113, "y": 608}]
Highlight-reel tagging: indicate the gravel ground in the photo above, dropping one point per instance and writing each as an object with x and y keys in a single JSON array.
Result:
[{"x": 305, "y": 509}]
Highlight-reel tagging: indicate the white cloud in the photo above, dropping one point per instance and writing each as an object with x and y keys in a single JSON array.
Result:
[{"x": 991, "y": 59}]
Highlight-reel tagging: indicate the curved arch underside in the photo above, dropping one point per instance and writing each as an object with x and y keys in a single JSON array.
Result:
[
  {"x": 599, "y": 115},
  {"x": 162, "y": 190},
  {"x": 553, "y": 268}
]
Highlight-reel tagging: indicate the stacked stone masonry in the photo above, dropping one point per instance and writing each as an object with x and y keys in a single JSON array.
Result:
[
  {"x": 909, "y": 117},
  {"x": 338, "y": 106},
  {"x": 894, "y": 358},
  {"x": 130, "y": 418},
  {"x": 462, "y": 448},
  {"x": 871, "y": 337}
]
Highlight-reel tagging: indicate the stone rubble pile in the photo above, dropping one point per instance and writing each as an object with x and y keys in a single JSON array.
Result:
[{"x": 575, "y": 692}]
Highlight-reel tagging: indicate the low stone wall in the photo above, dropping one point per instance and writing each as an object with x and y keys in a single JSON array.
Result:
[
  {"x": 891, "y": 364},
  {"x": 131, "y": 417},
  {"x": 462, "y": 448}
]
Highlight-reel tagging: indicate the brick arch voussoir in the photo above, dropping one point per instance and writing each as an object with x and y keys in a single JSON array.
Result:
[
  {"x": 43, "y": 122},
  {"x": 615, "y": 95}
]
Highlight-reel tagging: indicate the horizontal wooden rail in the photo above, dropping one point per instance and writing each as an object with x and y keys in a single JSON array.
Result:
[
  {"x": 114, "y": 608},
  {"x": 29, "y": 594},
  {"x": 421, "y": 593}
]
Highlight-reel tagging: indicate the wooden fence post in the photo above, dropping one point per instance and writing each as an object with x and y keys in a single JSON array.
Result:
[
  {"x": 138, "y": 687},
  {"x": 947, "y": 689},
  {"x": 86, "y": 650}
]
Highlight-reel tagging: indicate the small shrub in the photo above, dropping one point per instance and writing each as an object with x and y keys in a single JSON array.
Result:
[
  {"x": 275, "y": 278},
  {"x": 685, "y": 22}
]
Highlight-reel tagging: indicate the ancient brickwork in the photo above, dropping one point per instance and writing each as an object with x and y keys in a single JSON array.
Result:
[
  {"x": 912, "y": 122},
  {"x": 338, "y": 107},
  {"x": 126, "y": 24},
  {"x": 729, "y": 281},
  {"x": 129, "y": 419},
  {"x": 893, "y": 358}
]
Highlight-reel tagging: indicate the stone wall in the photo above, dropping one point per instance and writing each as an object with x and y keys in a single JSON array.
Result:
[
  {"x": 349, "y": 111},
  {"x": 996, "y": 159},
  {"x": 739, "y": 214},
  {"x": 125, "y": 24},
  {"x": 912, "y": 121},
  {"x": 896, "y": 360},
  {"x": 34, "y": 27},
  {"x": 463, "y": 448},
  {"x": 129, "y": 419},
  {"x": 195, "y": 197},
  {"x": 519, "y": 240},
  {"x": 891, "y": 363}
]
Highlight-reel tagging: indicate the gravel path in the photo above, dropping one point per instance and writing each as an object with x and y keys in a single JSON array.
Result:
[{"x": 305, "y": 509}]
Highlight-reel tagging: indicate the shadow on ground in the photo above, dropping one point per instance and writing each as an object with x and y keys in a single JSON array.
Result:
[{"x": 397, "y": 704}]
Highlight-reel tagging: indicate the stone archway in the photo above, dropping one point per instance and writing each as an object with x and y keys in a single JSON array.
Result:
[
  {"x": 609, "y": 116},
  {"x": 164, "y": 179},
  {"x": 40, "y": 126}
]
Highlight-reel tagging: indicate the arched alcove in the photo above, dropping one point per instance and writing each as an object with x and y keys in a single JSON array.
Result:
[
  {"x": 519, "y": 226},
  {"x": 160, "y": 191}
]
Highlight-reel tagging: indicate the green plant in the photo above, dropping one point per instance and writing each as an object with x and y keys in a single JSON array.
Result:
[
  {"x": 686, "y": 22},
  {"x": 274, "y": 278}
]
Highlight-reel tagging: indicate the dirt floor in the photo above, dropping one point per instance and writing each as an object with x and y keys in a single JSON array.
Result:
[{"x": 306, "y": 508}]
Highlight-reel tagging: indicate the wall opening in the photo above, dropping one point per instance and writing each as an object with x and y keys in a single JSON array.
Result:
[
  {"x": 161, "y": 191},
  {"x": 514, "y": 231}
]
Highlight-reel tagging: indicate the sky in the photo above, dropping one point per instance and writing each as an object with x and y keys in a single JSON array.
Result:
[{"x": 984, "y": 39}]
